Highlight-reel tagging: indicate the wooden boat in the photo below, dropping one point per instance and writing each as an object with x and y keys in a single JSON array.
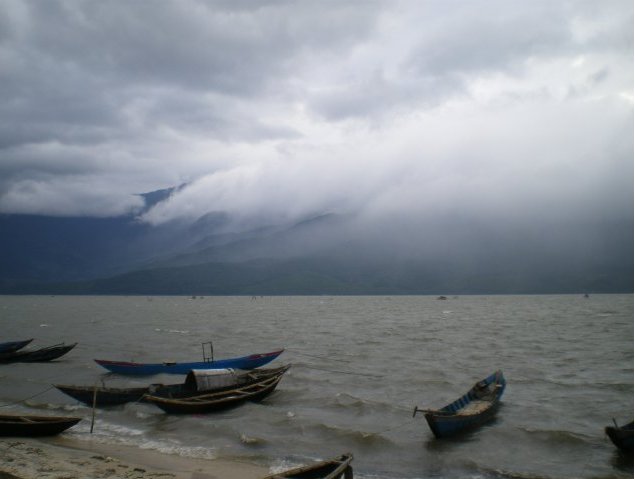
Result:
[
  {"x": 48, "y": 353},
  {"x": 621, "y": 436},
  {"x": 472, "y": 409},
  {"x": 145, "y": 369},
  {"x": 337, "y": 468},
  {"x": 31, "y": 426},
  {"x": 218, "y": 400},
  {"x": 12, "y": 346},
  {"x": 196, "y": 382}
]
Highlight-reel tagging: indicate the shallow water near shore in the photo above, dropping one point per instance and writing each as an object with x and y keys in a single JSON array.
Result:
[{"x": 360, "y": 365}]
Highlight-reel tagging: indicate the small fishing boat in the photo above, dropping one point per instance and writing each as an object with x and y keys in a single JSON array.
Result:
[
  {"x": 472, "y": 409},
  {"x": 48, "y": 353},
  {"x": 337, "y": 468},
  {"x": 218, "y": 400},
  {"x": 12, "y": 346},
  {"x": 196, "y": 382},
  {"x": 146, "y": 369},
  {"x": 32, "y": 426},
  {"x": 621, "y": 436}
]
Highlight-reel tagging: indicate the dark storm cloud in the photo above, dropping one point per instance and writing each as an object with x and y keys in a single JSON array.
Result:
[{"x": 270, "y": 111}]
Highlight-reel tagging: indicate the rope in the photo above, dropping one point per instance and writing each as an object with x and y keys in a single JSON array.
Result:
[
  {"x": 340, "y": 372},
  {"x": 398, "y": 426},
  {"x": 26, "y": 399}
]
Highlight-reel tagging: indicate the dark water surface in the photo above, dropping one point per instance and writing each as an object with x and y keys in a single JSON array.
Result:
[{"x": 360, "y": 365}]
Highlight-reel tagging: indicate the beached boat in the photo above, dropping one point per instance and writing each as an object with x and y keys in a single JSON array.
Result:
[
  {"x": 622, "y": 436},
  {"x": 146, "y": 369},
  {"x": 337, "y": 468},
  {"x": 196, "y": 382},
  {"x": 31, "y": 426},
  {"x": 48, "y": 353},
  {"x": 218, "y": 400},
  {"x": 11, "y": 346},
  {"x": 472, "y": 409}
]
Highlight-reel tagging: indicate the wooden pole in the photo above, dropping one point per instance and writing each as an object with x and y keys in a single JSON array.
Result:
[{"x": 92, "y": 423}]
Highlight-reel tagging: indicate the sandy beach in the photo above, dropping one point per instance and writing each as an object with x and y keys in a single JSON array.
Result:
[{"x": 61, "y": 458}]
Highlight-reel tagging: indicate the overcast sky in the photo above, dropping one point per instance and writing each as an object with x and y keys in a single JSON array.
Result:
[{"x": 273, "y": 110}]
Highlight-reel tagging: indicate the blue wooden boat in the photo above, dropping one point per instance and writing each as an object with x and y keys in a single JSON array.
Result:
[
  {"x": 622, "y": 437},
  {"x": 472, "y": 409},
  {"x": 146, "y": 369},
  {"x": 12, "y": 346}
]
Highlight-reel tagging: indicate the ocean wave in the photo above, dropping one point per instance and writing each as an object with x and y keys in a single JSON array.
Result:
[
  {"x": 360, "y": 405},
  {"x": 109, "y": 433},
  {"x": 555, "y": 436},
  {"x": 354, "y": 437},
  {"x": 173, "y": 331},
  {"x": 252, "y": 440}
]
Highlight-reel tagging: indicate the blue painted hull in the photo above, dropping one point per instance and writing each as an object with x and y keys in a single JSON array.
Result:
[
  {"x": 146, "y": 369},
  {"x": 456, "y": 416}
]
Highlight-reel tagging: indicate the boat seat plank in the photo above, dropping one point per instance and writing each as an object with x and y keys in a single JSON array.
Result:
[{"x": 474, "y": 407}]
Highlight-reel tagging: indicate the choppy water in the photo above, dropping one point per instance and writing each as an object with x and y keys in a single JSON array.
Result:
[{"x": 360, "y": 365}]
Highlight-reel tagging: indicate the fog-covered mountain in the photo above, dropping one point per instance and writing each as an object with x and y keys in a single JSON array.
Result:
[{"x": 322, "y": 254}]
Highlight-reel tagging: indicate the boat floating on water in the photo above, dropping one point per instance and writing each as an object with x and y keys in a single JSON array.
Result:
[
  {"x": 621, "y": 436},
  {"x": 219, "y": 400},
  {"x": 48, "y": 353},
  {"x": 472, "y": 409},
  {"x": 12, "y": 346},
  {"x": 197, "y": 381},
  {"x": 146, "y": 369}
]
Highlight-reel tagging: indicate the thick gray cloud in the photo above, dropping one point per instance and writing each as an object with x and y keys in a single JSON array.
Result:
[{"x": 271, "y": 111}]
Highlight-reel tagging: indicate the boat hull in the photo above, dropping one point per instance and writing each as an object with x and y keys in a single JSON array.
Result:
[
  {"x": 622, "y": 437},
  {"x": 147, "y": 369},
  {"x": 12, "y": 346},
  {"x": 37, "y": 356},
  {"x": 102, "y": 396},
  {"x": 213, "y": 401},
  {"x": 34, "y": 426},
  {"x": 337, "y": 468},
  {"x": 471, "y": 410}
]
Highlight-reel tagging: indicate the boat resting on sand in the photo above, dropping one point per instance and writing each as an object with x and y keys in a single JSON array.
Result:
[
  {"x": 472, "y": 409},
  {"x": 337, "y": 468},
  {"x": 197, "y": 381},
  {"x": 146, "y": 369},
  {"x": 621, "y": 436},
  {"x": 12, "y": 346},
  {"x": 48, "y": 353},
  {"x": 34, "y": 426},
  {"x": 218, "y": 400}
]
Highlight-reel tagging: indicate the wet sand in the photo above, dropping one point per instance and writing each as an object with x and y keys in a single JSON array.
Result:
[{"x": 60, "y": 458}]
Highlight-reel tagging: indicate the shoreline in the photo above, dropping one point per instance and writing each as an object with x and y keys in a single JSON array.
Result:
[{"x": 63, "y": 458}]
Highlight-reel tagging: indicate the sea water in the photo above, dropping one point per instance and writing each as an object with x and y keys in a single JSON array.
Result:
[{"x": 360, "y": 366}]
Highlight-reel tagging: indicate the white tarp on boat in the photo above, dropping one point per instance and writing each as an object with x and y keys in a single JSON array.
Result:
[{"x": 206, "y": 379}]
